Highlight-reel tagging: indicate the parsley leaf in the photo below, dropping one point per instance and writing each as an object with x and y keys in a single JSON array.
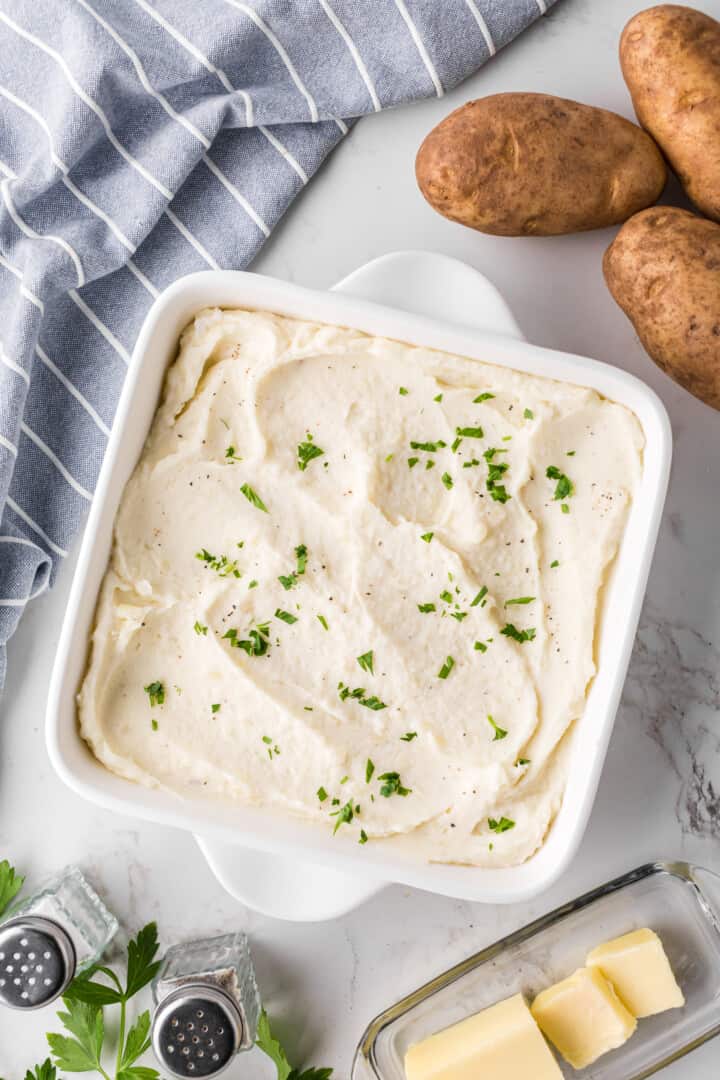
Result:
[
  {"x": 521, "y": 600},
  {"x": 301, "y": 554},
  {"x": 438, "y": 397},
  {"x": 220, "y": 563},
  {"x": 447, "y": 480},
  {"x": 425, "y": 608},
  {"x": 369, "y": 770},
  {"x": 480, "y": 596},
  {"x": 496, "y": 471},
  {"x": 359, "y": 695},
  {"x": 288, "y": 580},
  {"x": 470, "y": 432},
  {"x": 285, "y": 616},
  {"x": 564, "y": 486},
  {"x": 446, "y": 668},
  {"x": 408, "y": 736},
  {"x": 81, "y": 1053},
  {"x": 322, "y": 794},
  {"x": 480, "y": 646},
  {"x": 344, "y": 815},
  {"x": 403, "y": 390},
  {"x": 412, "y": 462},
  {"x": 554, "y": 563},
  {"x": 393, "y": 785},
  {"x": 427, "y": 537},
  {"x": 156, "y": 693},
  {"x": 511, "y": 631},
  {"x": 231, "y": 455},
  {"x": 323, "y": 622},
  {"x": 253, "y": 497},
  {"x": 10, "y": 884},
  {"x": 307, "y": 452},
  {"x": 501, "y": 826},
  {"x": 142, "y": 967},
  {"x": 366, "y": 661},
  {"x": 428, "y": 447},
  {"x": 46, "y": 1071},
  {"x": 529, "y": 414},
  {"x": 200, "y": 629},
  {"x": 482, "y": 397},
  {"x": 500, "y": 733}
]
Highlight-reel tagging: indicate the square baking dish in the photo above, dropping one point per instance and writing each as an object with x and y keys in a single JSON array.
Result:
[
  {"x": 224, "y": 827},
  {"x": 680, "y": 902}
]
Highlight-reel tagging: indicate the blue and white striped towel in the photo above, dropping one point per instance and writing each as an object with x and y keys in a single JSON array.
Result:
[{"x": 144, "y": 139}]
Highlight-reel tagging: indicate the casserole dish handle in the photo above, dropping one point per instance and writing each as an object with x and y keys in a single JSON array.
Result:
[{"x": 446, "y": 290}]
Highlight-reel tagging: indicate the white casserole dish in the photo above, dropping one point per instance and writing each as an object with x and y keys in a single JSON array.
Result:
[{"x": 443, "y": 304}]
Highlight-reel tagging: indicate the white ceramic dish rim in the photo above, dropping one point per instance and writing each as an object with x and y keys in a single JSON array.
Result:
[{"x": 265, "y": 831}]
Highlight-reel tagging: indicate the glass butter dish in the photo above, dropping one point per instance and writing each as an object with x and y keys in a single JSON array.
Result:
[{"x": 680, "y": 902}]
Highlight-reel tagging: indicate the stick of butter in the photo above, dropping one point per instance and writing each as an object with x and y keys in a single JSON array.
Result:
[
  {"x": 637, "y": 966},
  {"x": 583, "y": 1017},
  {"x": 499, "y": 1043}
]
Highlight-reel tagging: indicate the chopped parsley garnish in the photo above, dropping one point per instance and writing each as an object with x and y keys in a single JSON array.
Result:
[
  {"x": 322, "y": 794},
  {"x": 565, "y": 508},
  {"x": 323, "y": 622},
  {"x": 470, "y": 464},
  {"x": 412, "y": 462},
  {"x": 366, "y": 661},
  {"x": 363, "y": 837},
  {"x": 427, "y": 537},
  {"x": 571, "y": 453},
  {"x": 403, "y": 390},
  {"x": 253, "y": 584},
  {"x": 272, "y": 749},
  {"x": 520, "y": 636},
  {"x": 369, "y": 770},
  {"x": 288, "y": 580},
  {"x": 256, "y": 643},
  {"x": 447, "y": 596},
  {"x": 359, "y": 695},
  {"x": 301, "y": 554},
  {"x": 408, "y": 736},
  {"x": 428, "y": 447},
  {"x": 438, "y": 397},
  {"x": 231, "y": 455},
  {"x": 522, "y": 761},
  {"x": 520, "y": 600},
  {"x": 389, "y": 457},
  {"x": 200, "y": 628},
  {"x": 480, "y": 596},
  {"x": 470, "y": 432},
  {"x": 221, "y": 563},
  {"x": 529, "y": 414},
  {"x": 429, "y": 464},
  {"x": 564, "y": 486},
  {"x": 496, "y": 471},
  {"x": 501, "y": 826},
  {"x": 459, "y": 615},
  {"x": 480, "y": 646},
  {"x": 285, "y": 616},
  {"x": 215, "y": 708},
  {"x": 392, "y": 785},
  {"x": 156, "y": 693},
  {"x": 554, "y": 563},
  {"x": 500, "y": 733},
  {"x": 306, "y": 452},
  {"x": 482, "y": 397},
  {"x": 425, "y": 608},
  {"x": 447, "y": 480},
  {"x": 446, "y": 668},
  {"x": 253, "y": 497},
  {"x": 344, "y": 815}
]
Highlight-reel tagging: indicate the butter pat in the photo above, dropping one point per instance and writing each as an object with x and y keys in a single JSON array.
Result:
[
  {"x": 583, "y": 1017},
  {"x": 500, "y": 1043},
  {"x": 638, "y": 968}
]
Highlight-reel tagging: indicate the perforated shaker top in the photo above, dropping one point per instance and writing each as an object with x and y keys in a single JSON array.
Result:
[
  {"x": 196, "y": 1031},
  {"x": 37, "y": 961}
]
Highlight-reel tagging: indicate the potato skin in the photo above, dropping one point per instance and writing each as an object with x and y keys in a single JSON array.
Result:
[
  {"x": 663, "y": 269},
  {"x": 670, "y": 58},
  {"x": 537, "y": 165}
]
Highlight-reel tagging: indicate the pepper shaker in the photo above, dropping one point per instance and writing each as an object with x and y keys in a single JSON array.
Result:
[
  {"x": 58, "y": 932},
  {"x": 208, "y": 1006}
]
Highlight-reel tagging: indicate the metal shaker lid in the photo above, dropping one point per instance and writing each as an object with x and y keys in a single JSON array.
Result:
[
  {"x": 37, "y": 962},
  {"x": 196, "y": 1031}
]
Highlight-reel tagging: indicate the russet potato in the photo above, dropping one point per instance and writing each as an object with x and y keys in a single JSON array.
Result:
[
  {"x": 537, "y": 165},
  {"x": 663, "y": 269},
  {"x": 670, "y": 58}
]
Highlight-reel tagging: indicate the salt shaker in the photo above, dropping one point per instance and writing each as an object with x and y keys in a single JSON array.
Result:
[
  {"x": 208, "y": 1006},
  {"x": 49, "y": 938}
]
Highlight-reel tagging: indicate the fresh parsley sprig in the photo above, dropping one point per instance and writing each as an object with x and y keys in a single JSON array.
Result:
[
  {"x": 269, "y": 1045},
  {"x": 10, "y": 884},
  {"x": 84, "y": 1001}
]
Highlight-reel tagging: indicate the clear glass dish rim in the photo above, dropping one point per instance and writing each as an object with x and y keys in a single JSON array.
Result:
[{"x": 365, "y": 1052}]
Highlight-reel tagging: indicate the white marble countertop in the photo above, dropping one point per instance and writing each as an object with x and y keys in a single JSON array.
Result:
[{"x": 660, "y": 791}]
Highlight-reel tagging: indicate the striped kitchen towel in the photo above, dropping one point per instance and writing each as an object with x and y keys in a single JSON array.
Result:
[{"x": 141, "y": 140}]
